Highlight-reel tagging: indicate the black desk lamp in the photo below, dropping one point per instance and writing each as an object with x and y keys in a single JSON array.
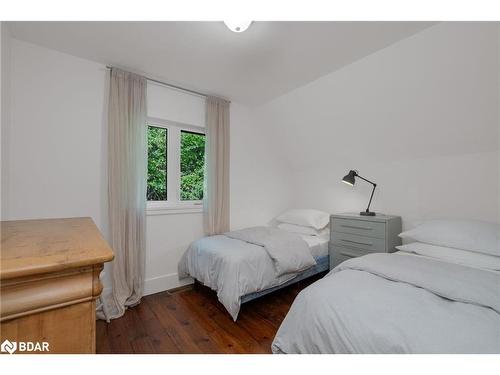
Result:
[{"x": 350, "y": 179}]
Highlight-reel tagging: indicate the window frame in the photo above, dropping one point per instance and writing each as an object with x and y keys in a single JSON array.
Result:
[{"x": 174, "y": 204}]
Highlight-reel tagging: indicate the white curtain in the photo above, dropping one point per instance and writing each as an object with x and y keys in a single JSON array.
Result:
[
  {"x": 127, "y": 160},
  {"x": 216, "y": 194}
]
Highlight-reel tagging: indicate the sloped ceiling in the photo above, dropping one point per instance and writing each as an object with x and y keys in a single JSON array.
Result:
[
  {"x": 266, "y": 61},
  {"x": 434, "y": 94}
]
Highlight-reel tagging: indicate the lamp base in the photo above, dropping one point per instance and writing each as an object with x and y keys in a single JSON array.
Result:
[{"x": 367, "y": 213}]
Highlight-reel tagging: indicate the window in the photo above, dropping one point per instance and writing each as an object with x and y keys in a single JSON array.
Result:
[
  {"x": 157, "y": 163},
  {"x": 176, "y": 165},
  {"x": 192, "y": 165}
]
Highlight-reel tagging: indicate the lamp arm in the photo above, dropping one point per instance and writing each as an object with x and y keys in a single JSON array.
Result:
[
  {"x": 371, "y": 197},
  {"x": 373, "y": 183},
  {"x": 373, "y": 191}
]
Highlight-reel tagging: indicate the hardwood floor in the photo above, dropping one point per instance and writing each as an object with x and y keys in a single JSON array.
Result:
[{"x": 194, "y": 321}]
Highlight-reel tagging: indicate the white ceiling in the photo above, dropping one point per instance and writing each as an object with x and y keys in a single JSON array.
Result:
[{"x": 266, "y": 61}]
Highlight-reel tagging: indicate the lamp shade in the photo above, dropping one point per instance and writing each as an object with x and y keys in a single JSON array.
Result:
[{"x": 350, "y": 178}]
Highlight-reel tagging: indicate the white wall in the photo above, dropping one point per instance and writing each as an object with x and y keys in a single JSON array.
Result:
[
  {"x": 175, "y": 105},
  {"x": 55, "y": 143},
  {"x": 259, "y": 173},
  {"x": 55, "y": 163},
  {"x": 498, "y": 106},
  {"x": 419, "y": 117},
  {"x": 2, "y": 94},
  {"x": 4, "y": 97}
]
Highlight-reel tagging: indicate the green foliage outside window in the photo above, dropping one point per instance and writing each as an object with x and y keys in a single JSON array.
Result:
[
  {"x": 192, "y": 165},
  {"x": 157, "y": 164},
  {"x": 192, "y": 160}
]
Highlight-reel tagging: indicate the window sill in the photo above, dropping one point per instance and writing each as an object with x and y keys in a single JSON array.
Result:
[{"x": 155, "y": 208}]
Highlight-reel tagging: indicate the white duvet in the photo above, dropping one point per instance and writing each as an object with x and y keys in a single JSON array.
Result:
[
  {"x": 395, "y": 303},
  {"x": 234, "y": 268}
]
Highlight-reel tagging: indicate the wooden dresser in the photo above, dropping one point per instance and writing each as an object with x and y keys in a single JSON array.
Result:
[{"x": 49, "y": 282}]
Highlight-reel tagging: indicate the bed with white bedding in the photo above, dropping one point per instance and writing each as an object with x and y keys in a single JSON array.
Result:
[
  {"x": 240, "y": 267},
  {"x": 423, "y": 299}
]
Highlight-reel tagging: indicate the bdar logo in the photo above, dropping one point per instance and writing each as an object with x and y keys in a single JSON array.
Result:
[
  {"x": 24, "y": 346},
  {"x": 8, "y": 347}
]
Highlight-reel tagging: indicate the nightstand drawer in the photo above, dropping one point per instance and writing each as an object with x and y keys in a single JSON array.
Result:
[
  {"x": 359, "y": 227},
  {"x": 350, "y": 253},
  {"x": 337, "y": 256},
  {"x": 356, "y": 242}
]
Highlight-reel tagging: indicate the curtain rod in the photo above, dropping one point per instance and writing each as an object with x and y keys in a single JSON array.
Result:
[{"x": 173, "y": 86}]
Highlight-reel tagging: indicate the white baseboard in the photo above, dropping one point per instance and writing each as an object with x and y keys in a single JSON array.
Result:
[{"x": 164, "y": 282}]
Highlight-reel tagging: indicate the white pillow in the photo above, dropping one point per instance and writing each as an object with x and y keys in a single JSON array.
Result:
[
  {"x": 299, "y": 229},
  {"x": 448, "y": 254},
  {"x": 305, "y": 217},
  {"x": 468, "y": 235}
]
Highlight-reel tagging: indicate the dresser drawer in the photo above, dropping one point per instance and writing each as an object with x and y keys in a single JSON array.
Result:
[
  {"x": 356, "y": 242},
  {"x": 359, "y": 227}
]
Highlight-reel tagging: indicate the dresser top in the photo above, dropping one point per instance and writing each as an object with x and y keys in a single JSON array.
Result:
[
  {"x": 31, "y": 247},
  {"x": 356, "y": 216}
]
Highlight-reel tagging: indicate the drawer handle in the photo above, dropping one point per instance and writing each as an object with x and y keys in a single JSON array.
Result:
[
  {"x": 356, "y": 242},
  {"x": 355, "y": 227}
]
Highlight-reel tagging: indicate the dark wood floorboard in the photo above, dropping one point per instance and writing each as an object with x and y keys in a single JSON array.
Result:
[{"x": 194, "y": 321}]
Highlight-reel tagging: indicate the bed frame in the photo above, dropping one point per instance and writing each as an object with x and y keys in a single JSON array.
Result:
[{"x": 322, "y": 265}]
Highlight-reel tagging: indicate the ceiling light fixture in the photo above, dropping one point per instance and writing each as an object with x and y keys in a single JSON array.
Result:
[{"x": 237, "y": 26}]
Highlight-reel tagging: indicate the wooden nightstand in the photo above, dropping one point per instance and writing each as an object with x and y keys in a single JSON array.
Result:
[{"x": 353, "y": 235}]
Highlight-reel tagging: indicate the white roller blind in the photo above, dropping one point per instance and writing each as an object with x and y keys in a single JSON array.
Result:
[{"x": 175, "y": 105}]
